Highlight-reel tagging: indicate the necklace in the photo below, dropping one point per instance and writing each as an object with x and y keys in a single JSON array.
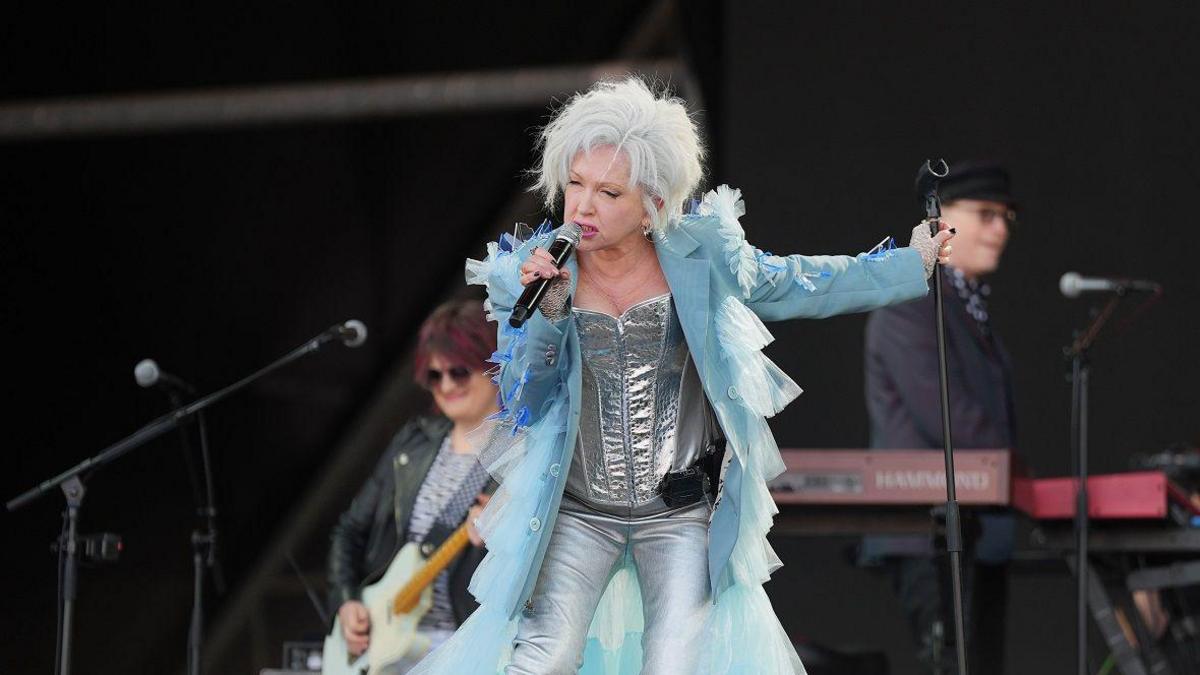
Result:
[{"x": 618, "y": 301}]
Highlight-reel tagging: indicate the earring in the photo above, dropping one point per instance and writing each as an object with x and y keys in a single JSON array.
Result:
[{"x": 647, "y": 232}]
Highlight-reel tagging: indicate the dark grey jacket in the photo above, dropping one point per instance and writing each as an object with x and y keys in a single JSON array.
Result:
[
  {"x": 372, "y": 531},
  {"x": 902, "y": 378}
]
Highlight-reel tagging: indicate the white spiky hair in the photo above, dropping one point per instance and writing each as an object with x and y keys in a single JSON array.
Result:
[{"x": 654, "y": 130}]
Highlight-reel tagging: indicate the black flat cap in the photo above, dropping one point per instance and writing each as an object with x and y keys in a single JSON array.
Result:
[{"x": 976, "y": 179}]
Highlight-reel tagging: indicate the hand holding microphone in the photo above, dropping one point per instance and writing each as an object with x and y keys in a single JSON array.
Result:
[
  {"x": 540, "y": 265},
  {"x": 542, "y": 274}
]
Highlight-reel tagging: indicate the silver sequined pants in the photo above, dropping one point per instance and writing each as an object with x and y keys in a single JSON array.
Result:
[{"x": 670, "y": 551}]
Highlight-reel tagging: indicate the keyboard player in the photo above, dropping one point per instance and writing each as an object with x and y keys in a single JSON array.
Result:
[{"x": 904, "y": 410}]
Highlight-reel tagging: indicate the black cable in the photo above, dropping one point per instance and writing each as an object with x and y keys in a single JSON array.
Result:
[
  {"x": 58, "y": 631},
  {"x": 185, "y": 445},
  {"x": 208, "y": 509},
  {"x": 207, "y": 466},
  {"x": 326, "y": 620}
]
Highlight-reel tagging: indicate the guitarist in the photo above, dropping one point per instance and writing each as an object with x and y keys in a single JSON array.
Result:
[{"x": 427, "y": 482}]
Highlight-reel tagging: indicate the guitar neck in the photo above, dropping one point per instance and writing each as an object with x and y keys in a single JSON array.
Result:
[{"x": 407, "y": 597}]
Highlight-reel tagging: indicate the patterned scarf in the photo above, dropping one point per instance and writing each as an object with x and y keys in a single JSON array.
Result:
[{"x": 974, "y": 296}]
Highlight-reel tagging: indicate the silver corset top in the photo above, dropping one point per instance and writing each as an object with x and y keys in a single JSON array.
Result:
[{"x": 643, "y": 410}]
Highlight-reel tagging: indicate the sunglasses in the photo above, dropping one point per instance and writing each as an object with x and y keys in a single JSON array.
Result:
[
  {"x": 459, "y": 374},
  {"x": 988, "y": 216}
]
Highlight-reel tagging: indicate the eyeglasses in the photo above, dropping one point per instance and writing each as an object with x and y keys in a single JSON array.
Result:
[
  {"x": 459, "y": 374},
  {"x": 988, "y": 216}
]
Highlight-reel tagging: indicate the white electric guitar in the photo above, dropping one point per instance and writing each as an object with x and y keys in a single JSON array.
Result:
[{"x": 396, "y": 604}]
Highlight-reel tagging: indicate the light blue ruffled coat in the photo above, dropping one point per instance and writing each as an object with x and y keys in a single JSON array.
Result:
[{"x": 721, "y": 286}]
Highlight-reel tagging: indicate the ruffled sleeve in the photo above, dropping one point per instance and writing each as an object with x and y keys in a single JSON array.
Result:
[
  {"x": 763, "y": 386},
  {"x": 525, "y": 359},
  {"x": 498, "y": 271}
]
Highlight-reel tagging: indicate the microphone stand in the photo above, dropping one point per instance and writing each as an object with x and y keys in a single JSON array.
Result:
[
  {"x": 204, "y": 543},
  {"x": 1080, "y": 372},
  {"x": 204, "y": 554},
  {"x": 927, "y": 182},
  {"x": 71, "y": 483},
  {"x": 1080, "y": 378}
]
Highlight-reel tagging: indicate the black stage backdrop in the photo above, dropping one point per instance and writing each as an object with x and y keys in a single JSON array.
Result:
[
  {"x": 828, "y": 110},
  {"x": 214, "y": 252}
]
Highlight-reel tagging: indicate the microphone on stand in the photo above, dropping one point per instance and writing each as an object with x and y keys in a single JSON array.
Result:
[
  {"x": 352, "y": 333},
  {"x": 564, "y": 244},
  {"x": 148, "y": 375},
  {"x": 1072, "y": 284}
]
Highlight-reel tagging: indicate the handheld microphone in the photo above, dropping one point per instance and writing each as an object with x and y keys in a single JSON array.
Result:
[
  {"x": 148, "y": 374},
  {"x": 564, "y": 244},
  {"x": 352, "y": 333},
  {"x": 1072, "y": 284}
]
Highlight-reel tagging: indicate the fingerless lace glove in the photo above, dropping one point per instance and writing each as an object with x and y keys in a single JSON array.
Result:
[
  {"x": 922, "y": 242},
  {"x": 554, "y": 302}
]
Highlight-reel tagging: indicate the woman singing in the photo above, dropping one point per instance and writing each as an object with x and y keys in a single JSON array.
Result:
[{"x": 629, "y": 531}]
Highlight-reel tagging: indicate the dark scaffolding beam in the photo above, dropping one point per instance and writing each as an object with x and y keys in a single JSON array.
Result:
[{"x": 314, "y": 102}]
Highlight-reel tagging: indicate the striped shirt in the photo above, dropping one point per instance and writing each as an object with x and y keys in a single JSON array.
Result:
[{"x": 442, "y": 485}]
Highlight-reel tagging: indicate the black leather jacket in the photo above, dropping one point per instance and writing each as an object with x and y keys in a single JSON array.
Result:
[{"x": 372, "y": 531}]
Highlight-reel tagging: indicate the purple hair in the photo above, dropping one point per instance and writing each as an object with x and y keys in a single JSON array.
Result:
[{"x": 458, "y": 332}]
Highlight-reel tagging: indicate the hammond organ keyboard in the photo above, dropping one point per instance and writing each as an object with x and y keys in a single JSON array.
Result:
[
  {"x": 889, "y": 491},
  {"x": 883, "y": 477}
]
